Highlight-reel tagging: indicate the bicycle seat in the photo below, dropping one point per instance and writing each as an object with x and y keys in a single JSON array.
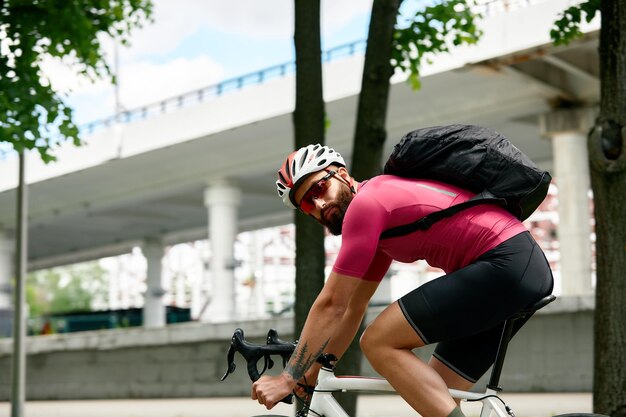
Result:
[{"x": 538, "y": 305}]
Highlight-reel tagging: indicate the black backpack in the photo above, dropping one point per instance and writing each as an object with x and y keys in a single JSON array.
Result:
[{"x": 471, "y": 157}]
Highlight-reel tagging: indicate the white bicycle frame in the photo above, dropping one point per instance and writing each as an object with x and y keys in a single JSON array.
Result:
[{"x": 323, "y": 403}]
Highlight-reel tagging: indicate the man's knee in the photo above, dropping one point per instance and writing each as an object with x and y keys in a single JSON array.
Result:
[
  {"x": 364, "y": 341},
  {"x": 367, "y": 341},
  {"x": 369, "y": 346},
  {"x": 373, "y": 341}
]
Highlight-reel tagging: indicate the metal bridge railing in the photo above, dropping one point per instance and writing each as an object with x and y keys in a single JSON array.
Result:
[{"x": 216, "y": 90}]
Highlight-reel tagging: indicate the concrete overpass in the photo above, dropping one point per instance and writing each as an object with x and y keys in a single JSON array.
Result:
[{"x": 155, "y": 175}]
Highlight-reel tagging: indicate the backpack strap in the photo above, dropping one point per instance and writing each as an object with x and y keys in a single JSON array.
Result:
[{"x": 427, "y": 221}]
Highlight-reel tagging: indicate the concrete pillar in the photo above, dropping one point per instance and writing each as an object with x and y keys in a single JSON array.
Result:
[
  {"x": 222, "y": 201},
  {"x": 7, "y": 270},
  {"x": 568, "y": 130},
  {"x": 154, "y": 310}
]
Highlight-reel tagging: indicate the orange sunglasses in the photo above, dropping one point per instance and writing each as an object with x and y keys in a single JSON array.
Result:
[{"x": 317, "y": 190}]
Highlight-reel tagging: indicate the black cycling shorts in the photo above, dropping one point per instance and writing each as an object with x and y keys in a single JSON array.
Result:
[{"x": 464, "y": 311}]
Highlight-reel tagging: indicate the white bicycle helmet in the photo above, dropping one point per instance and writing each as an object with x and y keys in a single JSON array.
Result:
[{"x": 299, "y": 165}]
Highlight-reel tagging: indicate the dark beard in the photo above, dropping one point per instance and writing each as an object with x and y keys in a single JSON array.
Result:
[{"x": 335, "y": 223}]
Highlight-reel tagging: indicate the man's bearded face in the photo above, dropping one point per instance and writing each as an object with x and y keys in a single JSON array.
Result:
[{"x": 332, "y": 215}]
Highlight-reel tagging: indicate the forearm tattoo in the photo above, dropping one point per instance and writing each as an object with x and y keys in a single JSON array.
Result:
[{"x": 301, "y": 360}]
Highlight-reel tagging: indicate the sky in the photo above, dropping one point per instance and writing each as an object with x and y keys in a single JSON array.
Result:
[{"x": 196, "y": 43}]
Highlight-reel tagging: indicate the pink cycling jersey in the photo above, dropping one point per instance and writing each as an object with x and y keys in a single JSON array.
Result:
[{"x": 387, "y": 201}]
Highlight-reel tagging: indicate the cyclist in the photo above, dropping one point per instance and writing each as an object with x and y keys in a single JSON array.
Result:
[{"x": 493, "y": 268}]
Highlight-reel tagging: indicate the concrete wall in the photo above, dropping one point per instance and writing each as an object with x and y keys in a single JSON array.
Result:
[{"x": 553, "y": 352}]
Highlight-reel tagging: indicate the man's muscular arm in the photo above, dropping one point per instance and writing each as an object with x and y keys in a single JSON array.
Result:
[
  {"x": 347, "y": 329},
  {"x": 324, "y": 319},
  {"x": 352, "y": 318}
]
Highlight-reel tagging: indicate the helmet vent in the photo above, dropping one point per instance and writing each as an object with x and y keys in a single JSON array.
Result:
[
  {"x": 321, "y": 162},
  {"x": 287, "y": 170},
  {"x": 303, "y": 159}
]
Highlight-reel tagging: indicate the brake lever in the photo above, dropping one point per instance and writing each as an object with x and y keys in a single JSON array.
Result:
[
  {"x": 231, "y": 360},
  {"x": 273, "y": 339}
]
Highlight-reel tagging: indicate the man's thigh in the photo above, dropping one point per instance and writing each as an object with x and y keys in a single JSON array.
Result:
[{"x": 391, "y": 329}]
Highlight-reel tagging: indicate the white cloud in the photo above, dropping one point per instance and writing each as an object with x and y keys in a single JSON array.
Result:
[
  {"x": 267, "y": 19},
  {"x": 271, "y": 19},
  {"x": 173, "y": 21},
  {"x": 176, "y": 20},
  {"x": 64, "y": 79},
  {"x": 336, "y": 13}
]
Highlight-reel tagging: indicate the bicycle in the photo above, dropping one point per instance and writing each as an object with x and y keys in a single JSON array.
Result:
[{"x": 321, "y": 403}]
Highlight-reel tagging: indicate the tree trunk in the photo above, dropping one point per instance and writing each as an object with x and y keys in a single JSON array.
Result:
[
  {"x": 369, "y": 137},
  {"x": 370, "y": 131},
  {"x": 607, "y": 153},
  {"x": 308, "y": 121}
]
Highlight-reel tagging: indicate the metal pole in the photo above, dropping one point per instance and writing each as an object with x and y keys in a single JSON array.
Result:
[{"x": 19, "y": 323}]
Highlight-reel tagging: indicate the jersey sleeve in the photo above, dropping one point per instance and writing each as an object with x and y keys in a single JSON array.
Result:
[
  {"x": 378, "y": 267},
  {"x": 359, "y": 255}
]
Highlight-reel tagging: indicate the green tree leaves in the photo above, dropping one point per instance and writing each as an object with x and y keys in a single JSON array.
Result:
[
  {"x": 433, "y": 30},
  {"x": 32, "y": 114},
  {"x": 567, "y": 27}
]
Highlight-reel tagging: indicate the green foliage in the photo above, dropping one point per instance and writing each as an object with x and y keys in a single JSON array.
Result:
[
  {"x": 567, "y": 28},
  {"x": 65, "y": 289},
  {"x": 433, "y": 30},
  {"x": 32, "y": 114}
]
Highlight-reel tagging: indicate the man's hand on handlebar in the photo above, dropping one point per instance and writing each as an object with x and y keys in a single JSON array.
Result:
[{"x": 269, "y": 390}]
